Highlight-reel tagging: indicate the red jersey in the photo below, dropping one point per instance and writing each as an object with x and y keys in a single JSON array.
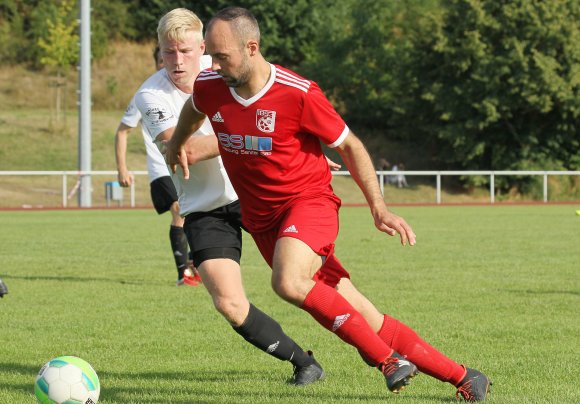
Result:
[{"x": 270, "y": 143}]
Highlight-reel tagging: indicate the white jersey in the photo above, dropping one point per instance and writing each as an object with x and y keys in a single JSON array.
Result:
[
  {"x": 160, "y": 103},
  {"x": 156, "y": 166}
]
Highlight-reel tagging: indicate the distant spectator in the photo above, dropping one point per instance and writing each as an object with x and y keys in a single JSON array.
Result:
[
  {"x": 384, "y": 165},
  {"x": 401, "y": 180},
  {"x": 392, "y": 179}
]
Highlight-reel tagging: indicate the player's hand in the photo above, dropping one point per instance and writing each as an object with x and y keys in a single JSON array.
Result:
[
  {"x": 392, "y": 224},
  {"x": 332, "y": 165},
  {"x": 125, "y": 178},
  {"x": 175, "y": 155}
]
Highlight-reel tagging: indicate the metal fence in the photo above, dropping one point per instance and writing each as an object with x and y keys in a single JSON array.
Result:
[
  {"x": 68, "y": 191},
  {"x": 490, "y": 174}
]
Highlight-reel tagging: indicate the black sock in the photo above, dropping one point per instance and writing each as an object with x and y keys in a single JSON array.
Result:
[
  {"x": 266, "y": 334},
  {"x": 179, "y": 247}
]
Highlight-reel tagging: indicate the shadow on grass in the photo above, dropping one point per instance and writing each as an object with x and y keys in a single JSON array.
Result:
[
  {"x": 74, "y": 279},
  {"x": 204, "y": 387},
  {"x": 543, "y": 292},
  {"x": 209, "y": 392},
  {"x": 27, "y": 370}
]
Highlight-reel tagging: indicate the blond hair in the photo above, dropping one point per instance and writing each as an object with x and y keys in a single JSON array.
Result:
[{"x": 177, "y": 23}]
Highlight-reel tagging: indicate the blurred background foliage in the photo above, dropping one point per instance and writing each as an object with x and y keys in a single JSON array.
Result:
[{"x": 463, "y": 84}]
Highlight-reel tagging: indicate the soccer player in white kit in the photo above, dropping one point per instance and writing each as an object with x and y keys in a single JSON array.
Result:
[
  {"x": 163, "y": 193},
  {"x": 207, "y": 200}
]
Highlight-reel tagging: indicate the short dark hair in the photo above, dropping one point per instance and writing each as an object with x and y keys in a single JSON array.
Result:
[{"x": 244, "y": 23}]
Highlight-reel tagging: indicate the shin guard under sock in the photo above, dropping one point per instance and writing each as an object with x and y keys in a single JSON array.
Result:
[
  {"x": 265, "y": 333},
  {"x": 336, "y": 314},
  {"x": 179, "y": 247},
  {"x": 427, "y": 359}
]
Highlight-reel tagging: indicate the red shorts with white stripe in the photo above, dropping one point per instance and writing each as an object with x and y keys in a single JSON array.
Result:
[{"x": 315, "y": 222}]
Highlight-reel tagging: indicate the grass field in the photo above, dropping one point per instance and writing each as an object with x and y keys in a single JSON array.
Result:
[{"x": 495, "y": 287}]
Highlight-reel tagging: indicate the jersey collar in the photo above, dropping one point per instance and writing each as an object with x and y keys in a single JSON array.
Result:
[{"x": 260, "y": 93}]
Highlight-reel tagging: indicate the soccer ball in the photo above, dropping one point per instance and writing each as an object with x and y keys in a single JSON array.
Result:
[{"x": 67, "y": 379}]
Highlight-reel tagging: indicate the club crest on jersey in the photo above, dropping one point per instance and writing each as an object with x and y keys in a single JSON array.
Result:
[{"x": 265, "y": 120}]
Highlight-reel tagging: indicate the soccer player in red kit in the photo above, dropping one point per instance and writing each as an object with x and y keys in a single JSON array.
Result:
[{"x": 269, "y": 123}]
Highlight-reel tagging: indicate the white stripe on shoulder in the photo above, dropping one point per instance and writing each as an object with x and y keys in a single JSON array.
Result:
[
  {"x": 292, "y": 84},
  {"x": 292, "y": 80},
  {"x": 207, "y": 72},
  {"x": 341, "y": 138},
  {"x": 292, "y": 77},
  {"x": 208, "y": 75}
]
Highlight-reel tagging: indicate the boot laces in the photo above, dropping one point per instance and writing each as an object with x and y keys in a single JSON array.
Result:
[
  {"x": 465, "y": 391},
  {"x": 389, "y": 366}
]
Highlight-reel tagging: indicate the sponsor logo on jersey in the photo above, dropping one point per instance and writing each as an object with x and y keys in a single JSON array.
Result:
[
  {"x": 265, "y": 120},
  {"x": 340, "y": 320},
  {"x": 248, "y": 144},
  {"x": 158, "y": 115},
  {"x": 217, "y": 117}
]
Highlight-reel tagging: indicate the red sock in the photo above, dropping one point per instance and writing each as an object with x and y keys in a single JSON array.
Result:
[
  {"x": 336, "y": 314},
  {"x": 427, "y": 359}
]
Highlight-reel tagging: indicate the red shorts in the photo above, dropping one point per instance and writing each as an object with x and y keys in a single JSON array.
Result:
[{"x": 313, "y": 221}]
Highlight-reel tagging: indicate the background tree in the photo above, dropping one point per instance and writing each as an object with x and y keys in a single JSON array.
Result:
[
  {"x": 60, "y": 49},
  {"x": 286, "y": 25},
  {"x": 485, "y": 85},
  {"x": 11, "y": 31},
  {"x": 499, "y": 84},
  {"x": 361, "y": 50},
  {"x": 15, "y": 31},
  {"x": 361, "y": 56},
  {"x": 457, "y": 84}
]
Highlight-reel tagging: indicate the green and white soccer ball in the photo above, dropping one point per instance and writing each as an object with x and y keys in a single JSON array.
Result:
[{"x": 67, "y": 380}]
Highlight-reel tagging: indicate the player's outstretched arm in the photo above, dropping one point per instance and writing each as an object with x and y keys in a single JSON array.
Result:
[
  {"x": 189, "y": 121},
  {"x": 199, "y": 148},
  {"x": 360, "y": 165},
  {"x": 124, "y": 177}
]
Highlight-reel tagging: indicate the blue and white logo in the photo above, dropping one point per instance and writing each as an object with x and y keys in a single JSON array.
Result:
[{"x": 248, "y": 142}]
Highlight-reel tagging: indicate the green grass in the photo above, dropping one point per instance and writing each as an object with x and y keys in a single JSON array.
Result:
[{"x": 496, "y": 288}]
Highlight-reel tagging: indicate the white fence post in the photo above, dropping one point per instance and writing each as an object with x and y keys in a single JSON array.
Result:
[
  {"x": 133, "y": 194},
  {"x": 64, "y": 198},
  {"x": 382, "y": 183},
  {"x": 492, "y": 187},
  {"x": 545, "y": 187},
  {"x": 438, "y": 192}
]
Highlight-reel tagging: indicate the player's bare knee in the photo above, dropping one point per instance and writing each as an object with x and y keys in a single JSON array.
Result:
[
  {"x": 232, "y": 309},
  {"x": 289, "y": 290}
]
